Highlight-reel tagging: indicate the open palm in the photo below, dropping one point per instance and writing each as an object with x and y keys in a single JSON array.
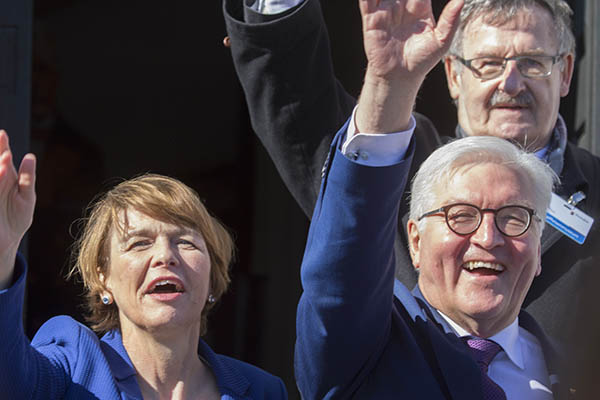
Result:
[
  {"x": 401, "y": 37},
  {"x": 17, "y": 196}
]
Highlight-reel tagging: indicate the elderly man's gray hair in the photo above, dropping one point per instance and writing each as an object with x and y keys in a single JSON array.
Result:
[
  {"x": 498, "y": 12},
  {"x": 445, "y": 162}
]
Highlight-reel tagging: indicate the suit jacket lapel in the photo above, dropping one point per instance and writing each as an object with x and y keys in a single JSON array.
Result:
[
  {"x": 120, "y": 365},
  {"x": 459, "y": 369}
]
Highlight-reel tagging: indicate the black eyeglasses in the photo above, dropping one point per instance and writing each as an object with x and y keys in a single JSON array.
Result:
[
  {"x": 530, "y": 66},
  {"x": 464, "y": 219}
]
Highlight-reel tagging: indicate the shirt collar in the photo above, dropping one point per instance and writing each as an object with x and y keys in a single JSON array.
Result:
[
  {"x": 508, "y": 338},
  {"x": 120, "y": 364},
  {"x": 229, "y": 380},
  {"x": 541, "y": 153}
]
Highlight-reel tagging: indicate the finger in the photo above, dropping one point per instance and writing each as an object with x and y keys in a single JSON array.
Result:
[
  {"x": 6, "y": 165},
  {"x": 448, "y": 22},
  {"x": 3, "y": 141},
  {"x": 368, "y": 6},
  {"x": 27, "y": 177}
]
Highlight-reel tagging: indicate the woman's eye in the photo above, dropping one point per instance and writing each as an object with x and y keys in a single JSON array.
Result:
[
  {"x": 139, "y": 244},
  {"x": 186, "y": 243}
]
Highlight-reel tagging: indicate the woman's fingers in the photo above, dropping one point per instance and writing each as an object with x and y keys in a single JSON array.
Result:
[{"x": 27, "y": 177}]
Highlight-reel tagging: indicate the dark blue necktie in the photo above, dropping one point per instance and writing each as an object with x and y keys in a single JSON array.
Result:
[{"x": 484, "y": 351}]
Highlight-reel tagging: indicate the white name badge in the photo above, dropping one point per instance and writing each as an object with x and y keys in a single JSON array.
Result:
[{"x": 568, "y": 219}]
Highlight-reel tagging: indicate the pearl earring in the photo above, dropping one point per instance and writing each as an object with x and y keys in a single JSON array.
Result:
[{"x": 211, "y": 299}]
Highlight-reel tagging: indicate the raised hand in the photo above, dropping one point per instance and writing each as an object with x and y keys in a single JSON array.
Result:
[
  {"x": 402, "y": 43},
  {"x": 401, "y": 36},
  {"x": 17, "y": 200}
]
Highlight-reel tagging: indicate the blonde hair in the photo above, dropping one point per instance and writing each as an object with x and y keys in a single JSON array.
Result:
[{"x": 162, "y": 198}]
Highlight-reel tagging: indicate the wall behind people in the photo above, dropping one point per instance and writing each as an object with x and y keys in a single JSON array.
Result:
[{"x": 15, "y": 70}]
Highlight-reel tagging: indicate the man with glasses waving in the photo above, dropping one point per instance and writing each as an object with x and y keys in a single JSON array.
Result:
[
  {"x": 509, "y": 64},
  {"x": 474, "y": 232},
  {"x": 474, "y": 235}
]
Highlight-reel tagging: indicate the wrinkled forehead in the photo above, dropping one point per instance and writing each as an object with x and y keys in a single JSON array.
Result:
[
  {"x": 532, "y": 24},
  {"x": 470, "y": 183}
]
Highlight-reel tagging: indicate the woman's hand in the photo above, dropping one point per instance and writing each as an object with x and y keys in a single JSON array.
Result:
[{"x": 17, "y": 200}]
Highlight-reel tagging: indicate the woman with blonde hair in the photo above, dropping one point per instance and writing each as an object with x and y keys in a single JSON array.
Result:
[{"x": 153, "y": 262}]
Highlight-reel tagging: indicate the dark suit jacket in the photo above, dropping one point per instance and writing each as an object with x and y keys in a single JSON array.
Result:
[
  {"x": 296, "y": 105},
  {"x": 66, "y": 360},
  {"x": 360, "y": 335}
]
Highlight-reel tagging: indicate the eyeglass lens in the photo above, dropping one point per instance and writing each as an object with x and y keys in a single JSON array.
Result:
[
  {"x": 529, "y": 66},
  {"x": 464, "y": 219}
]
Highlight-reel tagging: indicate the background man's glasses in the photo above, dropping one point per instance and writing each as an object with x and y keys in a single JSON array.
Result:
[
  {"x": 530, "y": 66},
  {"x": 464, "y": 219}
]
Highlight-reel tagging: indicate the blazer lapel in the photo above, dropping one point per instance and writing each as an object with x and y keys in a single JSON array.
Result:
[
  {"x": 120, "y": 365},
  {"x": 461, "y": 373},
  {"x": 229, "y": 380}
]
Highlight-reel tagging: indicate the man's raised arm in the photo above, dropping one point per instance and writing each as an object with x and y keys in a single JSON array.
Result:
[
  {"x": 294, "y": 100},
  {"x": 402, "y": 43}
]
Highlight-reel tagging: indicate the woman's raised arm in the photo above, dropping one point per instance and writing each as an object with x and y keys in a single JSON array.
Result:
[{"x": 17, "y": 200}]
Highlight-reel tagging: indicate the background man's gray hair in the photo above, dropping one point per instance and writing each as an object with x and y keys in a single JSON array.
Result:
[
  {"x": 445, "y": 162},
  {"x": 497, "y": 12}
]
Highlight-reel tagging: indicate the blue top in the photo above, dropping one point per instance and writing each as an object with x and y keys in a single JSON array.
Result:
[{"x": 66, "y": 360}]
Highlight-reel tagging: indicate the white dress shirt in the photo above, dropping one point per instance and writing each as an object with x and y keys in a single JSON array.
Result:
[
  {"x": 270, "y": 7},
  {"x": 520, "y": 368}
]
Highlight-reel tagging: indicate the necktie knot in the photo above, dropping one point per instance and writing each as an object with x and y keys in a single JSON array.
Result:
[{"x": 484, "y": 350}]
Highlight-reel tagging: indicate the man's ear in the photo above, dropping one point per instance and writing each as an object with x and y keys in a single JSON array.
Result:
[
  {"x": 414, "y": 242},
  {"x": 452, "y": 76},
  {"x": 566, "y": 73}
]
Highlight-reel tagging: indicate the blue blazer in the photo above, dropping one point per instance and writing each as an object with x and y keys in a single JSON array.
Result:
[
  {"x": 360, "y": 333},
  {"x": 66, "y": 360}
]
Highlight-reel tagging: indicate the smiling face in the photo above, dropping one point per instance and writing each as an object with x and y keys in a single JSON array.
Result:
[
  {"x": 484, "y": 107},
  {"x": 158, "y": 273},
  {"x": 478, "y": 280}
]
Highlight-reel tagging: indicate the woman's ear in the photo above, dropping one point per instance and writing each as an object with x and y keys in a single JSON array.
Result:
[
  {"x": 105, "y": 296},
  {"x": 414, "y": 242},
  {"x": 103, "y": 280}
]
